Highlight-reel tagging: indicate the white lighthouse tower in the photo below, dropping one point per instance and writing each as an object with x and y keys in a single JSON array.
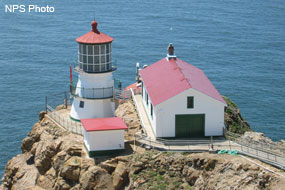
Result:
[{"x": 94, "y": 91}]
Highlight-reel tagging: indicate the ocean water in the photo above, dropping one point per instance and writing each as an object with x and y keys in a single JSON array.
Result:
[{"x": 240, "y": 45}]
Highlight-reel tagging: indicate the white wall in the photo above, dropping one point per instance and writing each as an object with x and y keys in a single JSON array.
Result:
[
  {"x": 98, "y": 80},
  {"x": 92, "y": 108},
  {"x": 203, "y": 104},
  {"x": 104, "y": 140},
  {"x": 92, "y": 81},
  {"x": 153, "y": 120}
]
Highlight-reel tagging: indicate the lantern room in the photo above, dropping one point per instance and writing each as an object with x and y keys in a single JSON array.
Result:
[
  {"x": 94, "y": 51},
  {"x": 95, "y": 58}
]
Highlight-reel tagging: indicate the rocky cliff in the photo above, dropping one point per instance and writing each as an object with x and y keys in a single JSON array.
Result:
[
  {"x": 234, "y": 121},
  {"x": 53, "y": 158}
]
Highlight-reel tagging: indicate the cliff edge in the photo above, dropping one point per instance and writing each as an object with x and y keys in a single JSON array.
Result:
[{"x": 53, "y": 158}]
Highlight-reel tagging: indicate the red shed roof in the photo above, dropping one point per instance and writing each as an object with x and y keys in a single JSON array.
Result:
[
  {"x": 165, "y": 79},
  {"x": 104, "y": 124},
  {"x": 94, "y": 36}
]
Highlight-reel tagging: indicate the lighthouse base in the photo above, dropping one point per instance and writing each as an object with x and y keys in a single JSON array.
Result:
[{"x": 85, "y": 109}]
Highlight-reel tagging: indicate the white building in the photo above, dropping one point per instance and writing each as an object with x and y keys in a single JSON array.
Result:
[
  {"x": 94, "y": 92},
  {"x": 104, "y": 136},
  {"x": 180, "y": 100}
]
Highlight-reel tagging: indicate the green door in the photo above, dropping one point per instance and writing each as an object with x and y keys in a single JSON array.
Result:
[{"x": 191, "y": 125}]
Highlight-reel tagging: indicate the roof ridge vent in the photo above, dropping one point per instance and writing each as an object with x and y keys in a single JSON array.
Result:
[{"x": 171, "y": 54}]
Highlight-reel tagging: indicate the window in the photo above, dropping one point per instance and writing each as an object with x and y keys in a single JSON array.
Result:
[
  {"x": 91, "y": 55},
  {"x": 90, "y": 60},
  {"x": 90, "y": 50},
  {"x": 190, "y": 102},
  {"x": 103, "y": 49},
  {"x": 103, "y": 59},
  {"x": 96, "y": 50},
  {"x": 142, "y": 88},
  {"x": 84, "y": 49},
  {"x": 146, "y": 98},
  {"x": 96, "y": 60},
  {"x": 151, "y": 110},
  {"x": 81, "y": 104},
  {"x": 107, "y": 48}
]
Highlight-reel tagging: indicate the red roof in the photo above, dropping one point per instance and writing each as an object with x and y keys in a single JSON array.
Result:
[
  {"x": 104, "y": 124},
  {"x": 94, "y": 36},
  {"x": 133, "y": 86},
  {"x": 165, "y": 79}
]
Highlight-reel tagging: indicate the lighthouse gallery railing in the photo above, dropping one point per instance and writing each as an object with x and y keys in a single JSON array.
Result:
[{"x": 91, "y": 93}]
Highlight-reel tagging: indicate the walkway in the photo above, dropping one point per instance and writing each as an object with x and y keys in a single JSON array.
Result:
[
  {"x": 143, "y": 116},
  {"x": 204, "y": 145}
]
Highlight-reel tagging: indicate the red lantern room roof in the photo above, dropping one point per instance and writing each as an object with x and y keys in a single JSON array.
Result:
[{"x": 94, "y": 36}]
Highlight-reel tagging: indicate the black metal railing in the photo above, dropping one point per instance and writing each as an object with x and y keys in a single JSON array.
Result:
[
  {"x": 100, "y": 68},
  {"x": 94, "y": 69},
  {"x": 91, "y": 93}
]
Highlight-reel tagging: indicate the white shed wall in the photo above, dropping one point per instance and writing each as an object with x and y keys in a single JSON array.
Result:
[
  {"x": 203, "y": 104},
  {"x": 104, "y": 140}
]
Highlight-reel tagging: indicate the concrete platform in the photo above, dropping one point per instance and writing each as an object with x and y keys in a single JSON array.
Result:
[{"x": 143, "y": 116}]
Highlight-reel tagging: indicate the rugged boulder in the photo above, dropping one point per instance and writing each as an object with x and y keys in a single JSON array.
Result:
[
  {"x": 96, "y": 178},
  {"x": 120, "y": 175},
  {"x": 128, "y": 113}
]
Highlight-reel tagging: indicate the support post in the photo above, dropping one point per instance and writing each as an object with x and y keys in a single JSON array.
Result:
[
  {"x": 275, "y": 157},
  {"x": 134, "y": 142},
  {"x": 46, "y": 104},
  {"x": 65, "y": 99}
]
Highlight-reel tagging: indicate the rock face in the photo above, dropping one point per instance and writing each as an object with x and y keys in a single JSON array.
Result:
[
  {"x": 199, "y": 171},
  {"x": 234, "y": 122},
  {"x": 257, "y": 137},
  {"x": 128, "y": 113},
  {"x": 53, "y": 158}
]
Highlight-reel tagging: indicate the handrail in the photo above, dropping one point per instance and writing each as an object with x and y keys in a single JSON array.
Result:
[
  {"x": 122, "y": 94},
  {"x": 68, "y": 124},
  {"x": 267, "y": 148},
  {"x": 112, "y": 69}
]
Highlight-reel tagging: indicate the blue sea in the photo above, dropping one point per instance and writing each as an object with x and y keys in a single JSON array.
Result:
[{"x": 239, "y": 44}]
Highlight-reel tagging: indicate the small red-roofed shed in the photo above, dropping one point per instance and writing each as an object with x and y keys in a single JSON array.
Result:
[{"x": 104, "y": 135}]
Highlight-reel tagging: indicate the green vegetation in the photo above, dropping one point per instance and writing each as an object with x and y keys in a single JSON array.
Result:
[
  {"x": 234, "y": 122},
  {"x": 230, "y": 102},
  {"x": 155, "y": 181}
]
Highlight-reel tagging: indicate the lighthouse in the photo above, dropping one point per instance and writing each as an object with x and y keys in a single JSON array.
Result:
[{"x": 93, "y": 92}]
